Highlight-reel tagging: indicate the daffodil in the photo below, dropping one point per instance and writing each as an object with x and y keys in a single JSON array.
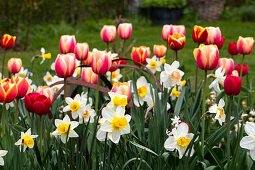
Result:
[
  {"x": 175, "y": 121},
  {"x": 26, "y": 140},
  {"x": 115, "y": 76},
  {"x": 163, "y": 60},
  {"x": 247, "y": 142},
  {"x": 8, "y": 105},
  {"x": 153, "y": 64},
  {"x": 87, "y": 115},
  {"x": 219, "y": 78},
  {"x": 76, "y": 106},
  {"x": 24, "y": 73},
  {"x": 48, "y": 79},
  {"x": 116, "y": 123},
  {"x": 171, "y": 75},
  {"x": 219, "y": 110},
  {"x": 84, "y": 98},
  {"x": 117, "y": 99},
  {"x": 2, "y": 153},
  {"x": 52, "y": 66},
  {"x": 179, "y": 139},
  {"x": 62, "y": 129},
  {"x": 175, "y": 94}
]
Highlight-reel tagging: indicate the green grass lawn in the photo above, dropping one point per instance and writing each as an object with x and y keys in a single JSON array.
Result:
[{"x": 147, "y": 35}]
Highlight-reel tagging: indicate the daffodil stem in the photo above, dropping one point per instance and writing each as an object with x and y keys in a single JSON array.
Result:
[
  {"x": 3, "y": 63},
  {"x": 41, "y": 132},
  {"x": 3, "y": 123},
  {"x": 239, "y": 98},
  {"x": 228, "y": 128},
  {"x": 97, "y": 95},
  {"x": 88, "y": 93},
  {"x": 176, "y": 55},
  {"x": 65, "y": 88},
  {"x": 16, "y": 112},
  {"x": 105, "y": 143},
  {"x": 203, "y": 111}
]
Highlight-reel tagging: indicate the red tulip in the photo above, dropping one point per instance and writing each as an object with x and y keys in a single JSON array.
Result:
[
  {"x": 22, "y": 86},
  {"x": 14, "y": 65},
  {"x": 199, "y": 34},
  {"x": 7, "y": 41},
  {"x": 176, "y": 41},
  {"x": 227, "y": 64},
  {"x": 232, "y": 48},
  {"x": 8, "y": 91},
  {"x": 171, "y": 29},
  {"x": 46, "y": 91},
  {"x": 214, "y": 37},
  {"x": 232, "y": 85},
  {"x": 139, "y": 54},
  {"x": 38, "y": 104},
  {"x": 244, "y": 69}
]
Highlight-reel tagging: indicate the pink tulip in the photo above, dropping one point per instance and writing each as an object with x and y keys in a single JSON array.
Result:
[
  {"x": 227, "y": 64},
  {"x": 65, "y": 65},
  {"x": 171, "y": 29},
  {"x": 124, "y": 30},
  {"x": 245, "y": 45},
  {"x": 101, "y": 62},
  {"x": 108, "y": 33},
  {"x": 88, "y": 60},
  {"x": 88, "y": 75},
  {"x": 67, "y": 44},
  {"x": 46, "y": 91},
  {"x": 81, "y": 51},
  {"x": 214, "y": 37},
  {"x": 14, "y": 65}
]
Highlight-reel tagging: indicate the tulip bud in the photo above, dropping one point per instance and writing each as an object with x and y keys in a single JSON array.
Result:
[
  {"x": 245, "y": 45},
  {"x": 124, "y": 30},
  {"x": 232, "y": 48},
  {"x": 227, "y": 64},
  {"x": 8, "y": 91},
  {"x": 176, "y": 41},
  {"x": 171, "y": 29},
  {"x": 88, "y": 60},
  {"x": 67, "y": 44},
  {"x": 214, "y": 37},
  {"x": 101, "y": 62},
  {"x": 123, "y": 88},
  {"x": 206, "y": 56},
  {"x": 36, "y": 103},
  {"x": 7, "y": 41},
  {"x": 199, "y": 34},
  {"x": 139, "y": 54},
  {"x": 108, "y": 33},
  {"x": 235, "y": 73},
  {"x": 89, "y": 76},
  {"x": 232, "y": 85},
  {"x": 22, "y": 86},
  {"x": 244, "y": 69},
  {"x": 46, "y": 91},
  {"x": 14, "y": 65},
  {"x": 159, "y": 50},
  {"x": 220, "y": 43},
  {"x": 81, "y": 51},
  {"x": 65, "y": 65}
]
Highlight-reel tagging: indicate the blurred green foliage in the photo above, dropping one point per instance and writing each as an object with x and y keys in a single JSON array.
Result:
[{"x": 164, "y": 3}]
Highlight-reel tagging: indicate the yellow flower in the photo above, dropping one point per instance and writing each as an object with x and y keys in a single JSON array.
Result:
[
  {"x": 183, "y": 141},
  {"x": 46, "y": 56},
  {"x": 26, "y": 140},
  {"x": 142, "y": 91}
]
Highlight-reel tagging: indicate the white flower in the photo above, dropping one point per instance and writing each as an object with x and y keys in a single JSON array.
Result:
[
  {"x": 116, "y": 123},
  {"x": 175, "y": 121},
  {"x": 43, "y": 52},
  {"x": 52, "y": 66},
  {"x": 84, "y": 98},
  {"x": 24, "y": 73},
  {"x": 252, "y": 112},
  {"x": 8, "y": 105},
  {"x": 219, "y": 75},
  {"x": 76, "y": 106},
  {"x": 163, "y": 59},
  {"x": 153, "y": 64},
  {"x": 115, "y": 76},
  {"x": 171, "y": 75},
  {"x": 248, "y": 142},
  {"x": 62, "y": 128},
  {"x": 117, "y": 99},
  {"x": 26, "y": 140},
  {"x": 48, "y": 79},
  {"x": 87, "y": 115},
  {"x": 180, "y": 139},
  {"x": 2, "y": 153},
  {"x": 219, "y": 110}
]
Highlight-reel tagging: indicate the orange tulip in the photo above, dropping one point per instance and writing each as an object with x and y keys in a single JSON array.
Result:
[
  {"x": 14, "y": 65},
  {"x": 8, "y": 91},
  {"x": 7, "y": 41},
  {"x": 159, "y": 50},
  {"x": 139, "y": 54},
  {"x": 176, "y": 41},
  {"x": 199, "y": 34},
  {"x": 22, "y": 85}
]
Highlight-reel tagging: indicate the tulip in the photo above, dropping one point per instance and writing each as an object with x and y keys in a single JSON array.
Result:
[
  {"x": 123, "y": 62},
  {"x": 232, "y": 85},
  {"x": 171, "y": 29},
  {"x": 14, "y": 65},
  {"x": 108, "y": 33},
  {"x": 227, "y": 64},
  {"x": 235, "y": 73},
  {"x": 244, "y": 69},
  {"x": 139, "y": 54},
  {"x": 199, "y": 34},
  {"x": 123, "y": 88},
  {"x": 22, "y": 86},
  {"x": 159, "y": 50},
  {"x": 176, "y": 41},
  {"x": 81, "y": 51},
  {"x": 88, "y": 60},
  {"x": 124, "y": 30},
  {"x": 101, "y": 62},
  {"x": 89, "y": 76},
  {"x": 7, "y": 41},
  {"x": 245, "y": 45},
  {"x": 8, "y": 91},
  {"x": 214, "y": 37},
  {"x": 112, "y": 69},
  {"x": 46, "y": 91},
  {"x": 38, "y": 104},
  {"x": 206, "y": 56},
  {"x": 65, "y": 65},
  {"x": 67, "y": 44},
  {"x": 232, "y": 48},
  {"x": 220, "y": 43}
]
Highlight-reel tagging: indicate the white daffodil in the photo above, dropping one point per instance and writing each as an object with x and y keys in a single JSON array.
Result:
[
  {"x": 43, "y": 52},
  {"x": 247, "y": 142},
  {"x": 84, "y": 98},
  {"x": 87, "y": 115},
  {"x": 115, "y": 76},
  {"x": 143, "y": 90},
  {"x": 179, "y": 139},
  {"x": 52, "y": 66},
  {"x": 26, "y": 140},
  {"x": 219, "y": 110},
  {"x": 175, "y": 121},
  {"x": 116, "y": 124},
  {"x": 163, "y": 60},
  {"x": 76, "y": 106},
  {"x": 48, "y": 79},
  {"x": 2, "y": 153},
  {"x": 252, "y": 112},
  {"x": 117, "y": 99},
  {"x": 62, "y": 129},
  {"x": 219, "y": 75},
  {"x": 151, "y": 101},
  {"x": 8, "y": 105},
  {"x": 153, "y": 64},
  {"x": 171, "y": 75},
  {"x": 24, "y": 73}
]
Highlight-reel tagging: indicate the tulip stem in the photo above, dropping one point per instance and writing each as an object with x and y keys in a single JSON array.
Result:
[
  {"x": 239, "y": 98},
  {"x": 176, "y": 55},
  {"x": 123, "y": 48},
  {"x": 16, "y": 112},
  {"x": 196, "y": 79},
  {"x": 3, "y": 123},
  {"x": 97, "y": 95},
  {"x": 3, "y": 63},
  {"x": 203, "y": 111},
  {"x": 41, "y": 117},
  {"x": 65, "y": 88},
  {"x": 107, "y": 46},
  {"x": 167, "y": 47},
  {"x": 228, "y": 128}
]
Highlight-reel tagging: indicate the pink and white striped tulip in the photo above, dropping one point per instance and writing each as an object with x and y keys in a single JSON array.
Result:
[
  {"x": 245, "y": 45},
  {"x": 171, "y": 29},
  {"x": 227, "y": 64},
  {"x": 88, "y": 60},
  {"x": 214, "y": 37},
  {"x": 67, "y": 44},
  {"x": 108, "y": 33},
  {"x": 88, "y": 75},
  {"x": 14, "y": 65},
  {"x": 65, "y": 65},
  {"x": 125, "y": 30},
  {"x": 101, "y": 62},
  {"x": 81, "y": 51}
]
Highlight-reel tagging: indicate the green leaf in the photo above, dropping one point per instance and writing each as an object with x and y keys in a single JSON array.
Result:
[
  {"x": 143, "y": 147},
  {"x": 136, "y": 159},
  {"x": 220, "y": 95},
  {"x": 215, "y": 157},
  {"x": 178, "y": 105}
]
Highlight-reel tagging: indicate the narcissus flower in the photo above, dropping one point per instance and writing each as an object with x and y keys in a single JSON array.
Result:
[
  {"x": 232, "y": 85},
  {"x": 199, "y": 34},
  {"x": 87, "y": 115},
  {"x": 65, "y": 127},
  {"x": 81, "y": 51},
  {"x": 247, "y": 142},
  {"x": 65, "y": 65},
  {"x": 26, "y": 140},
  {"x": 2, "y": 153},
  {"x": 101, "y": 62},
  {"x": 48, "y": 79},
  {"x": 14, "y": 65},
  {"x": 171, "y": 29},
  {"x": 115, "y": 76},
  {"x": 108, "y": 33},
  {"x": 245, "y": 45},
  {"x": 8, "y": 91},
  {"x": 67, "y": 44},
  {"x": 123, "y": 88},
  {"x": 139, "y": 54},
  {"x": 22, "y": 86},
  {"x": 219, "y": 110},
  {"x": 143, "y": 90},
  {"x": 232, "y": 48},
  {"x": 244, "y": 69},
  {"x": 7, "y": 41},
  {"x": 117, "y": 99},
  {"x": 227, "y": 64},
  {"x": 179, "y": 139},
  {"x": 159, "y": 50},
  {"x": 76, "y": 106},
  {"x": 24, "y": 73},
  {"x": 125, "y": 30},
  {"x": 219, "y": 78},
  {"x": 153, "y": 64},
  {"x": 88, "y": 75},
  {"x": 175, "y": 121},
  {"x": 176, "y": 41},
  {"x": 175, "y": 94}
]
